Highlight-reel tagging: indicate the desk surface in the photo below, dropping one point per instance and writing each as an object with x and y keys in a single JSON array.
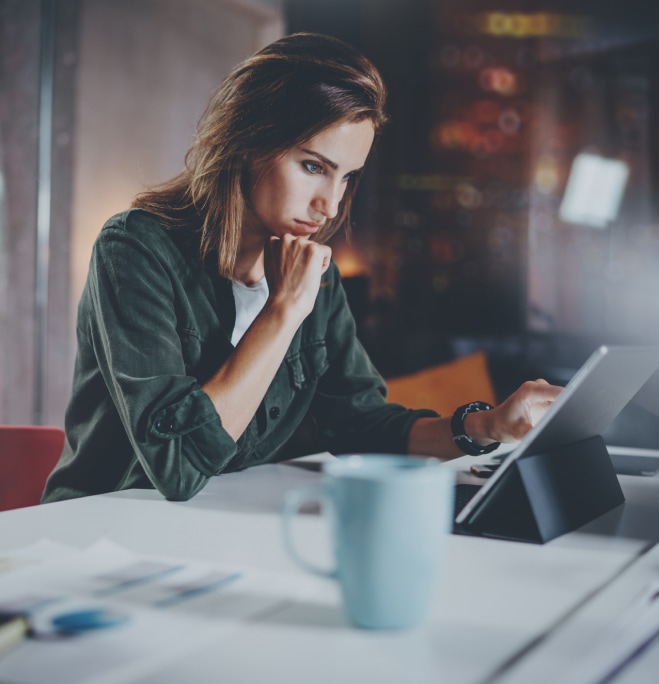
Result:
[{"x": 497, "y": 599}]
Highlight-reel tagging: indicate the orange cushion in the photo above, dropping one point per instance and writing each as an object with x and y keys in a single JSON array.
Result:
[{"x": 446, "y": 386}]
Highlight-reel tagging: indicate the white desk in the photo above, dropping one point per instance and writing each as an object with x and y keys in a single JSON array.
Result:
[{"x": 496, "y": 601}]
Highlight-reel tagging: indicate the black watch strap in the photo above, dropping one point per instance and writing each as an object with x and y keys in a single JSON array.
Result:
[{"x": 464, "y": 442}]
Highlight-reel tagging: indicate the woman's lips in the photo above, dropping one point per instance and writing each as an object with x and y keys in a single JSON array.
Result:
[{"x": 311, "y": 226}]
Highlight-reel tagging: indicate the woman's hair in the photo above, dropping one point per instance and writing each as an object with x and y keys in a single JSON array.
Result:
[{"x": 277, "y": 99}]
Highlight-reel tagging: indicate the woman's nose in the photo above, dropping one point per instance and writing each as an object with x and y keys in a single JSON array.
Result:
[{"x": 328, "y": 200}]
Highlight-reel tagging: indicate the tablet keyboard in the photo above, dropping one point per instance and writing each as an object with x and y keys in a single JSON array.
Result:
[{"x": 463, "y": 494}]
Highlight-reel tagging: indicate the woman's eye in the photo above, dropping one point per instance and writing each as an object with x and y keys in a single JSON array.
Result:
[{"x": 311, "y": 167}]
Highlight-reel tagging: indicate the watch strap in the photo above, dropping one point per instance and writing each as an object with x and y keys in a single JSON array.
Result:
[{"x": 461, "y": 439}]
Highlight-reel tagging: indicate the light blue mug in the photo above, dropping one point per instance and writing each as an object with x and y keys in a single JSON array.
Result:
[{"x": 390, "y": 517}]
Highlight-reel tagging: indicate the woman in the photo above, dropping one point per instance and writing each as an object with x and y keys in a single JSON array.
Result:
[{"x": 213, "y": 323}]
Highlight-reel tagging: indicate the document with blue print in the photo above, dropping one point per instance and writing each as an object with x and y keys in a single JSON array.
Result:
[{"x": 105, "y": 614}]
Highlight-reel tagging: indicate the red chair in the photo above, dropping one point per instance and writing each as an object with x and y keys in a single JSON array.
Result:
[{"x": 28, "y": 454}]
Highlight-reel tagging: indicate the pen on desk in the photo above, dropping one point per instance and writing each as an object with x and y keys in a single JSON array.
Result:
[{"x": 13, "y": 629}]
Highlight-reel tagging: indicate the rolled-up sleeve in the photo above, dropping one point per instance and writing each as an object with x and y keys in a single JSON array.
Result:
[{"x": 144, "y": 343}]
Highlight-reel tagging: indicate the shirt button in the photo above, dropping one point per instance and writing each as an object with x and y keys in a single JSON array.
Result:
[
  {"x": 274, "y": 412},
  {"x": 165, "y": 426}
]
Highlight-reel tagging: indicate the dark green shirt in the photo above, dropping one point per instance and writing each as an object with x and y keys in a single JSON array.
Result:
[{"x": 154, "y": 324}]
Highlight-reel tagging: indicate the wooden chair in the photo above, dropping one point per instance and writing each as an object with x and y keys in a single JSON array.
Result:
[{"x": 28, "y": 454}]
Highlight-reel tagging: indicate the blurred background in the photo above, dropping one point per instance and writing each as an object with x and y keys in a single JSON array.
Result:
[{"x": 511, "y": 206}]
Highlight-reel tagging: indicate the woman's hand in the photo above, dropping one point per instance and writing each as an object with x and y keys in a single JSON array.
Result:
[
  {"x": 293, "y": 268},
  {"x": 514, "y": 417},
  {"x": 507, "y": 422}
]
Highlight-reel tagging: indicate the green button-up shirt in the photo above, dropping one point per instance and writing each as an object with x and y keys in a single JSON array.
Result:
[{"x": 154, "y": 324}]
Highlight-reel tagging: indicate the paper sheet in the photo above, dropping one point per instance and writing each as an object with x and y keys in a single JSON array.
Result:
[
  {"x": 626, "y": 639},
  {"x": 153, "y": 609}
]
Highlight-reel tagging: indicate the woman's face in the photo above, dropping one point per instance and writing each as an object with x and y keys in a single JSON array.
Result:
[{"x": 302, "y": 188}]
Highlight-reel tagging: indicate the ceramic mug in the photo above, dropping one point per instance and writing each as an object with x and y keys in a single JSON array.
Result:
[{"x": 390, "y": 517}]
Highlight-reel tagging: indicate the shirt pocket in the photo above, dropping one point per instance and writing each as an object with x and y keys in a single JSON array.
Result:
[{"x": 307, "y": 364}]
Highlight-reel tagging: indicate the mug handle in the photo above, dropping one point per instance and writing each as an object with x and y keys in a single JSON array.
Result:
[{"x": 293, "y": 501}]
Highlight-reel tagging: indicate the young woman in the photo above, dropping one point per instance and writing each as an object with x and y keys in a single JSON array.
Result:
[{"x": 213, "y": 323}]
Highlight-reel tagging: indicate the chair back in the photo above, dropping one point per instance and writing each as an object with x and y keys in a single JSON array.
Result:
[{"x": 28, "y": 454}]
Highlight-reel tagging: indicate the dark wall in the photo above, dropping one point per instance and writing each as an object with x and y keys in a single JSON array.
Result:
[{"x": 457, "y": 222}]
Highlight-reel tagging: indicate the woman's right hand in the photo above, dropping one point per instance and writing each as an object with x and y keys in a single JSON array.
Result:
[
  {"x": 514, "y": 417},
  {"x": 293, "y": 269}
]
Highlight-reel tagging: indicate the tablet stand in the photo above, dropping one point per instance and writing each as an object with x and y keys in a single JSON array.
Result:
[{"x": 548, "y": 494}]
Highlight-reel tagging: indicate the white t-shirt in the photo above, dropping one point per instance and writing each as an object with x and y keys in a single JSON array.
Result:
[{"x": 249, "y": 299}]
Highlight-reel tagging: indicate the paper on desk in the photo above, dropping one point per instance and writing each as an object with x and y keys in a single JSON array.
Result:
[
  {"x": 170, "y": 607},
  {"x": 39, "y": 552},
  {"x": 625, "y": 639}
]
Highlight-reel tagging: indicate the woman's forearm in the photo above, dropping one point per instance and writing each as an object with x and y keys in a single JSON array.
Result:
[{"x": 239, "y": 386}]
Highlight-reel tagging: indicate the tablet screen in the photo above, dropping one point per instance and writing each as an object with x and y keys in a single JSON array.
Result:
[{"x": 595, "y": 395}]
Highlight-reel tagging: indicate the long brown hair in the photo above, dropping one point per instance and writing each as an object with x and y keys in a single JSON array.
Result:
[{"x": 277, "y": 99}]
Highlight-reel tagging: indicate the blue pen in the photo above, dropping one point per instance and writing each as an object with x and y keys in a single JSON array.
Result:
[{"x": 88, "y": 619}]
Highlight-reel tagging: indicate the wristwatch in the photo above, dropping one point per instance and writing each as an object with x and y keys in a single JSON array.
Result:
[{"x": 461, "y": 439}]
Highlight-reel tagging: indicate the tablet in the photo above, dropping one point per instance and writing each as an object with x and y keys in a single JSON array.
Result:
[
  {"x": 595, "y": 395},
  {"x": 648, "y": 396}
]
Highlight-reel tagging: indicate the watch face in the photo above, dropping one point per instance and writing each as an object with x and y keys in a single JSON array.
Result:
[{"x": 477, "y": 406}]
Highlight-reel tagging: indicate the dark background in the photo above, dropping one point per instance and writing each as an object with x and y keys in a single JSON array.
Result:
[{"x": 457, "y": 244}]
